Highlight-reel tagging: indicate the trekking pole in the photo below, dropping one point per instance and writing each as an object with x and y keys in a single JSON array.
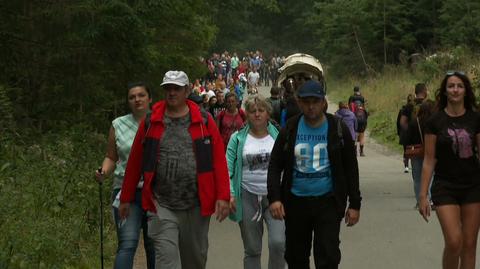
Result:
[{"x": 100, "y": 191}]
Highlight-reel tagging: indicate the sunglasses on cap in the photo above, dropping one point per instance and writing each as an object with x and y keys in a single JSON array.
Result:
[{"x": 453, "y": 72}]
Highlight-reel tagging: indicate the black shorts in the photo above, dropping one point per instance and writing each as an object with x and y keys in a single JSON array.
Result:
[
  {"x": 445, "y": 192},
  {"x": 361, "y": 126}
]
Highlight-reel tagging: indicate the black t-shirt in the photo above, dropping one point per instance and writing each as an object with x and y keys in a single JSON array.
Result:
[
  {"x": 455, "y": 149},
  {"x": 216, "y": 109}
]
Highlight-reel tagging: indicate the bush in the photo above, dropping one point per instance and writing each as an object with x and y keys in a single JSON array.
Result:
[{"x": 49, "y": 201}]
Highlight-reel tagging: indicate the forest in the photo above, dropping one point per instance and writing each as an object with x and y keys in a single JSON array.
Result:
[{"x": 64, "y": 67}]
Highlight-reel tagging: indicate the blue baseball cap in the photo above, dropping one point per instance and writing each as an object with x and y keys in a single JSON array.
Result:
[{"x": 311, "y": 88}]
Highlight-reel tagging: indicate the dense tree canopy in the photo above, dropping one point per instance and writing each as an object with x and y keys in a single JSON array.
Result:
[{"x": 70, "y": 56}]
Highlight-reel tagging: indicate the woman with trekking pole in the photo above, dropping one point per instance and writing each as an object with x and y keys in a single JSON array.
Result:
[{"x": 120, "y": 139}]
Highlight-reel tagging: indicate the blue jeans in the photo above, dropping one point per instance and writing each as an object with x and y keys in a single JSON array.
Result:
[
  {"x": 252, "y": 232},
  {"x": 417, "y": 165},
  {"x": 129, "y": 234}
]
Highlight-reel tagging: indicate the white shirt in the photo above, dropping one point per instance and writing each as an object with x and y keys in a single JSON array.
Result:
[
  {"x": 210, "y": 93},
  {"x": 253, "y": 78},
  {"x": 256, "y": 156}
]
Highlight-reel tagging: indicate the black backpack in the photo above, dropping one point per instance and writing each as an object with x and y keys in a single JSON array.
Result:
[{"x": 399, "y": 115}]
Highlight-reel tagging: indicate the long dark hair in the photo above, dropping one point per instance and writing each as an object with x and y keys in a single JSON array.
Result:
[{"x": 469, "y": 99}]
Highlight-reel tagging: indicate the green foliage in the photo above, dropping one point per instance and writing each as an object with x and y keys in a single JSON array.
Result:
[
  {"x": 64, "y": 59},
  {"x": 457, "y": 29},
  {"x": 436, "y": 64},
  {"x": 49, "y": 202},
  {"x": 6, "y": 111},
  {"x": 385, "y": 94}
]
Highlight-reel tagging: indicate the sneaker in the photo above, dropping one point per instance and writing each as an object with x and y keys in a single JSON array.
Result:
[{"x": 406, "y": 170}]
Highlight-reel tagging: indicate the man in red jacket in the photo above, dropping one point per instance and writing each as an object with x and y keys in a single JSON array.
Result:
[{"x": 179, "y": 155}]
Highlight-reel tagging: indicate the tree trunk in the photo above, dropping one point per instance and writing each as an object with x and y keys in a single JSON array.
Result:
[
  {"x": 384, "y": 34},
  {"x": 360, "y": 49}
]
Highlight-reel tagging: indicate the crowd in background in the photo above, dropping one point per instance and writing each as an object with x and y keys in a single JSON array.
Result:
[{"x": 231, "y": 73}]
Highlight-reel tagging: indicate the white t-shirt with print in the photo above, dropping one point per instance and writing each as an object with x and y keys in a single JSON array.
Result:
[{"x": 256, "y": 156}]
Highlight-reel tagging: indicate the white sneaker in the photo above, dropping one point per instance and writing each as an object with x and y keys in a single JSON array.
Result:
[{"x": 406, "y": 170}]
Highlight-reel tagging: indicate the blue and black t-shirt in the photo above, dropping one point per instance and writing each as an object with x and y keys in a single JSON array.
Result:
[{"x": 312, "y": 174}]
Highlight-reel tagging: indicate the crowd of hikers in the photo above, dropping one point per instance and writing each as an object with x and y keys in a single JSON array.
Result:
[{"x": 218, "y": 147}]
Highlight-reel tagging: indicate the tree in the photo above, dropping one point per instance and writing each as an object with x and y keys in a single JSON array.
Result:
[{"x": 459, "y": 24}]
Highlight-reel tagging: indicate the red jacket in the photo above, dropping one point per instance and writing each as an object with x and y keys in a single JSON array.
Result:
[{"x": 212, "y": 172}]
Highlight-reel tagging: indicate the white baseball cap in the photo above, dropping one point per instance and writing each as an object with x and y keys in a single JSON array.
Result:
[{"x": 175, "y": 77}]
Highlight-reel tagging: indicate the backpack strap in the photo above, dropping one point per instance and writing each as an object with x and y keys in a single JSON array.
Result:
[
  {"x": 204, "y": 116},
  {"x": 147, "y": 121},
  {"x": 339, "y": 130}
]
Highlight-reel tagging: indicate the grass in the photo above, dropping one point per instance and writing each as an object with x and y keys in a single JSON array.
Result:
[{"x": 385, "y": 94}]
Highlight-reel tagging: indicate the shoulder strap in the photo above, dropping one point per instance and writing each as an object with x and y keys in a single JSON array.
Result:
[
  {"x": 147, "y": 122},
  {"x": 204, "y": 116},
  {"x": 339, "y": 130},
  {"x": 420, "y": 130}
]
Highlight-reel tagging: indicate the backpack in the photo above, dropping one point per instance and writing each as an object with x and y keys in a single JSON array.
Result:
[
  {"x": 355, "y": 101},
  {"x": 414, "y": 112},
  {"x": 399, "y": 115},
  {"x": 276, "y": 108},
  {"x": 360, "y": 114}
]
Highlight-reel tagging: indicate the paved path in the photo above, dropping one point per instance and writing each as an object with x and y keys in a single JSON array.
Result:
[{"x": 390, "y": 234}]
